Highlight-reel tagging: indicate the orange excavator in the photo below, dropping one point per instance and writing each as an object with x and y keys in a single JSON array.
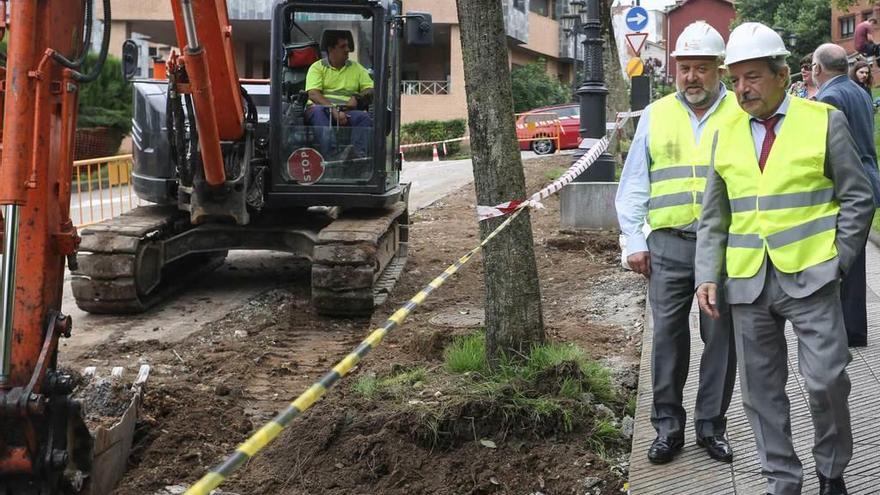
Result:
[{"x": 226, "y": 163}]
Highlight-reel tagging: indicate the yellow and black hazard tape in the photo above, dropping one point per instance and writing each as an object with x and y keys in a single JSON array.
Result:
[{"x": 270, "y": 430}]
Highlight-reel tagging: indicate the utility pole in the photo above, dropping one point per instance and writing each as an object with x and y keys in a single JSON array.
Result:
[{"x": 593, "y": 93}]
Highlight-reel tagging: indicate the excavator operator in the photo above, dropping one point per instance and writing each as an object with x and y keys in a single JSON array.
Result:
[{"x": 339, "y": 91}]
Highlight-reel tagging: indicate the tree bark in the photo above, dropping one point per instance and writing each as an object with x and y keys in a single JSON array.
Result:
[{"x": 514, "y": 322}]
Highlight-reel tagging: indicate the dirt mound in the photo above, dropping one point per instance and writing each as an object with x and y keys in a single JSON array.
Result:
[
  {"x": 212, "y": 389},
  {"x": 358, "y": 451}
]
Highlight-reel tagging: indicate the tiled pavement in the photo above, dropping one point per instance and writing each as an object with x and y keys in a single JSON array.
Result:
[{"x": 693, "y": 473}]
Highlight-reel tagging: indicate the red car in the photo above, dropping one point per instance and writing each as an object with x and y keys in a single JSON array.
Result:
[{"x": 540, "y": 123}]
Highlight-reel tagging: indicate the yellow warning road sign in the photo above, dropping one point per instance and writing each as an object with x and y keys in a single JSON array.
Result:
[{"x": 635, "y": 67}]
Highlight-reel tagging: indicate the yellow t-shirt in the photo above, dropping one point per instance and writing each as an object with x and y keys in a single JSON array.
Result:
[{"x": 338, "y": 85}]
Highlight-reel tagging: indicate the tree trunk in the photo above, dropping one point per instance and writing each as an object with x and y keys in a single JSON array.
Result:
[{"x": 513, "y": 299}]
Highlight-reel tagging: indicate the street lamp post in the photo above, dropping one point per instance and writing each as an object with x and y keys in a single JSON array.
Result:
[
  {"x": 571, "y": 26},
  {"x": 593, "y": 93}
]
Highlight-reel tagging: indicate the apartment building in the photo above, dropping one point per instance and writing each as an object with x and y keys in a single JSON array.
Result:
[{"x": 433, "y": 77}]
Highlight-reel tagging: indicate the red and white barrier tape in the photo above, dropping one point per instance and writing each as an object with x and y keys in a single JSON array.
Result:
[
  {"x": 576, "y": 169},
  {"x": 432, "y": 143}
]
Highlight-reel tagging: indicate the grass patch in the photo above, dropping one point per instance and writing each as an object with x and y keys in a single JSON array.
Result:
[
  {"x": 555, "y": 390},
  {"x": 466, "y": 354},
  {"x": 398, "y": 384},
  {"x": 367, "y": 385},
  {"x": 631, "y": 406},
  {"x": 554, "y": 173}
]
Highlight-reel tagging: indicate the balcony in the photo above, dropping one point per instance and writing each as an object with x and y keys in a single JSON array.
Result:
[{"x": 418, "y": 88}]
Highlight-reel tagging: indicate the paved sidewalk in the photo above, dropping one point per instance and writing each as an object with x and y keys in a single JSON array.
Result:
[{"x": 694, "y": 473}]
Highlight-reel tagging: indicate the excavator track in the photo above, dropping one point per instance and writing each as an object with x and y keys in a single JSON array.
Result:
[
  {"x": 119, "y": 264},
  {"x": 358, "y": 259}
]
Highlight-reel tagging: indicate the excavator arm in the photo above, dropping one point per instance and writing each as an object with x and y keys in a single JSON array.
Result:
[
  {"x": 41, "y": 427},
  {"x": 43, "y": 437},
  {"x": 203, "y": 29}
]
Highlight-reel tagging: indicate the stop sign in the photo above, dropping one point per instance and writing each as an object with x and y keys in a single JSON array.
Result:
[{"x": 305, "y": 166}]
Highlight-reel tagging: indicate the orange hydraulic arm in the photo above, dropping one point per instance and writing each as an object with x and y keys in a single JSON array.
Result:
[
  {"x": 39, "y": 120},
  {"x": 203, "y": 29}
]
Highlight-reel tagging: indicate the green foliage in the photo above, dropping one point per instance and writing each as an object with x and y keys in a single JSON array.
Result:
[
  {"x": 367, "y": 385},
  {"x": 604, "y": 433},
  {"x": 395, "y": 385},
  {"x": 424, "y": 131},
  {"x": 554, "y": 173},
  {"x": 810, "y": 20},
  {"x": 846, "y": 4},
  {"x": 467, "y": 353},
  {"x": 107, "y": 101},
  {"x": 533, "y": 87},
  {"x": 427, "y": 131}
]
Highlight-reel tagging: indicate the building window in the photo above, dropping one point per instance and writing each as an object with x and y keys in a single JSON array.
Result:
[
  {"x": 540, "y": 7},
  {"x": 847, "y": 26},
  {"x": 867, "y": 14},
  {"x": 519, "y": 5}
]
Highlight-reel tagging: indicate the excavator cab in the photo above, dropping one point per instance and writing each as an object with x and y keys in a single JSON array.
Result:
[
  {"x": 315, "y": 156},
  {"x": 232, "y": 164}
]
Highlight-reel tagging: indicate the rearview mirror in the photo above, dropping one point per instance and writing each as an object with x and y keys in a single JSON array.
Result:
[
  {"x": 419, "y": 29},
  {"x": 130, "y": 54}
]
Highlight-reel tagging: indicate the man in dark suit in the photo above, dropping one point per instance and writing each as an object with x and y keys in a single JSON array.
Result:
[{"x": 837, "y": 89}]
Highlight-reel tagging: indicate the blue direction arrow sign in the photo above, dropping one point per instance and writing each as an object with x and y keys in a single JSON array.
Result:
[{"x": 636, "y": 18}]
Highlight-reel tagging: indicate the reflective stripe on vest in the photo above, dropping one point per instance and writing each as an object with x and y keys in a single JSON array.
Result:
[
  {"x": 789, "y": 210},
  {"x": 679, "y": 165}
]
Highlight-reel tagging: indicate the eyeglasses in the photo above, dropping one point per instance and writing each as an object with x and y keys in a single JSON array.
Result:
[{"x": 807, "y": 67}]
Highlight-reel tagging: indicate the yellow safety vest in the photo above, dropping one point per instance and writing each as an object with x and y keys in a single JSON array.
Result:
[
  {"x": 789, "y": 211},
  {"x": 679, "y": 165}
]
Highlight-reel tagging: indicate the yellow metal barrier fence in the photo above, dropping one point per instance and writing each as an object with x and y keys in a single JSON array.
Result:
[
  {"x": 101, "y": 189},
  {"x": 532, "y": 127}
]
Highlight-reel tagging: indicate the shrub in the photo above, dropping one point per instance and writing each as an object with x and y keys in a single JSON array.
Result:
[
  {"x": 533, "y": 87},
  {"x": 106, "y": 101},
  {"x": 426, "y": 131}
]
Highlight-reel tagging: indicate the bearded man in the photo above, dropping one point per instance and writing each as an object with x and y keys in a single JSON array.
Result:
[{"x": 662, "y": 186}]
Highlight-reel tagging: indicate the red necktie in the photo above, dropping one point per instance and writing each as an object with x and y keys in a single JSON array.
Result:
[{"x": 769, "y": 138}]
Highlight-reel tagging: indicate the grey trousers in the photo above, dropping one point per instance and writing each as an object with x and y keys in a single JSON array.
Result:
[
  {"x": 822, "y": 359},
  {"x": 671, "y": 291}
]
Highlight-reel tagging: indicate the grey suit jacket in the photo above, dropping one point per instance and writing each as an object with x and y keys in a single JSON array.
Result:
[
  {"x": 854, "y": 102},
  {"x": 851, "y": 189}
]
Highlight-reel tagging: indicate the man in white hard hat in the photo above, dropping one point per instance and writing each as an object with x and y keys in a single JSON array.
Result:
[
  {"x": 662, "y": 185},
  {"x": 786, "y": 210}
]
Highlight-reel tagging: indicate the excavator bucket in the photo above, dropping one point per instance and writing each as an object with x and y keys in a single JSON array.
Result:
[{"x": 111, "y": 407}]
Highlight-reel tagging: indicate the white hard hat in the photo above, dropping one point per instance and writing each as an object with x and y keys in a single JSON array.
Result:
[
  {"x": 699, "y": 39},
  {"x": 752, "y": 40}
]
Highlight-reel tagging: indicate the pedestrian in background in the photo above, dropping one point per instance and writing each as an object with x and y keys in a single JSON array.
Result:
[
  {"x": 838, "y": 90},
  {"x": 863, "y": 38},
  {"x": 786, "y": 212},
  {"x": 806, "y": 87},
  {"x": 662, "y": 184},
  {"x": 861, "y": 75}
]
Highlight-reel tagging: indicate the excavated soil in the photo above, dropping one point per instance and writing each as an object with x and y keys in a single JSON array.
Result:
[{"x": 209, "y": 391}]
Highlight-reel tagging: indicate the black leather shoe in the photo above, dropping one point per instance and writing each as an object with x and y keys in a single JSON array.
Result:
[
  {"x": 664, "y": 449},
  {"x": 834, "y": 486},
  {"x": 717, "y": 447}
]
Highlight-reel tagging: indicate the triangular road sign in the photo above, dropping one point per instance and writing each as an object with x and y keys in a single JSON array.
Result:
[{"x": 636, "y": 42}]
